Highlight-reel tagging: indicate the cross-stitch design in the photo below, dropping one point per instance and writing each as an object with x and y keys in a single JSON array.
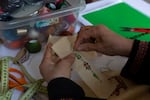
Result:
[{"x": 87, "y": 66}]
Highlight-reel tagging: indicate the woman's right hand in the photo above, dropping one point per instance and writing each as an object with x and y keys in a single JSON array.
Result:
[{"x": 101, "y": 39}]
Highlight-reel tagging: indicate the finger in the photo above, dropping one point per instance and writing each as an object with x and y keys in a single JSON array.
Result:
[
  {"x": 81, "y": 38},
  {"x": 48, "y": 54},
  {"x": 78, "y": 41},
  {"x": 83, "y": 35},
  {"x": 48, "y": 51},
  {"x": 88, "y": 47},
  {"x": 85, "y": 28},
  {"x": 67, "y": 61},
  {"x": 47, "y": 60}
]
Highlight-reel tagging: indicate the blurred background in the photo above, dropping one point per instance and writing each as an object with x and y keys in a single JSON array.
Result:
[{"x": 147, "y": 1}]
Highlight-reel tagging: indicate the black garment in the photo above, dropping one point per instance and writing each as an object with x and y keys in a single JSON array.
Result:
[
  {"x": 137, "y": 68},
  {"x": 63, "y": 88}
]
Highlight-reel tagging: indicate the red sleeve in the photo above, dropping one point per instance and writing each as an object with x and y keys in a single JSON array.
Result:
[{"x": 137, "y": 67}]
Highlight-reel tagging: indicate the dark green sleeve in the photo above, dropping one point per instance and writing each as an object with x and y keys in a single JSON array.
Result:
[{"x": 137, "y": 67}]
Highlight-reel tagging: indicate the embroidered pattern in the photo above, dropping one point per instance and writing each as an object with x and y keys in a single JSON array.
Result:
[
  {"x": 87, "y": 66},
  {"x": 121, "y": 85}
]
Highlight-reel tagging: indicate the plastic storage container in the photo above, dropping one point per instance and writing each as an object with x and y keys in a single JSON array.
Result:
[{"x": 38, "y": 20}]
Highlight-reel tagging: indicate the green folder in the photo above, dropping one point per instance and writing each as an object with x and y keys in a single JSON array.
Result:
[{"x": 120, "y": 15}]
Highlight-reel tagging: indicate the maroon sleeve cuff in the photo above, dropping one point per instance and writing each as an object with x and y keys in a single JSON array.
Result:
[{"x": 137, "y": 67}]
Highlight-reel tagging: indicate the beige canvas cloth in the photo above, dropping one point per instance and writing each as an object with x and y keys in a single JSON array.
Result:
[{"x": 107, "y": 83}]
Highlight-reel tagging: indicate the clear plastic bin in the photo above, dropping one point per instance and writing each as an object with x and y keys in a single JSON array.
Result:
[{"x": 30, "y": 24}]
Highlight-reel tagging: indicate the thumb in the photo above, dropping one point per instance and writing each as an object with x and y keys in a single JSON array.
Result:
[
  {"x": 48, "y": 53},
  {"x": 87, "y": 47},
  {"x": 68, "y": 61}
]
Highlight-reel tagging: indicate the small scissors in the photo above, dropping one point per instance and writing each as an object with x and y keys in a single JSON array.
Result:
[
  {"x": 15, "y": 82},
  {"x": 142, "y": 30}
]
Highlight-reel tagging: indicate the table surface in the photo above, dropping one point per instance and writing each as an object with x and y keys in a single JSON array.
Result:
[{"x": 34, "y": 60}]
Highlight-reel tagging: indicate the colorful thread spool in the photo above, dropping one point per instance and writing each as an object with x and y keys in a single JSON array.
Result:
[
  {"x": 15, "y": 38},
  {"x": 70, "y": 18},
  {"x": 12, "y": 5},
  {"x": 15, "y": 44},
  {"x": 5, "y": 17},
  {"x": 1, "y": 11},
  {"x": 11, "y": 35},
  {"x": 33, "y": 46},
  {"x": 51, "y": 5},
  {"x": 59, "y": 3},
  {"x": 55, "y": 4},
  {"x": 44, "y": 10}
]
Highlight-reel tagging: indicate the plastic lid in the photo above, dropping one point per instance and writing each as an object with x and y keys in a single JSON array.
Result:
[{"x": 29, "y": 16}]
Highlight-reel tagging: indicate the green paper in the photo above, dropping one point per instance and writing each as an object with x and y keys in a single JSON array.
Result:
[{"x": 120, "y": 15}]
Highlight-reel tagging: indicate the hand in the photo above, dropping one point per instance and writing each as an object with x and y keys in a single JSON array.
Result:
[
  {"x": 101, "y": 39},
  {"x": 52, "y": 67}
]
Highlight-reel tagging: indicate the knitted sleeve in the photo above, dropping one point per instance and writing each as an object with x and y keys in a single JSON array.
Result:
[{"x": 137, "y": 67}]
